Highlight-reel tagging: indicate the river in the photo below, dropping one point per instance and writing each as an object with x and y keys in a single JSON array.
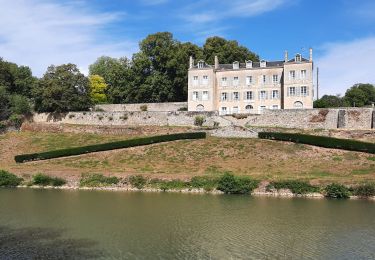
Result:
[{"x": 52, "y": 224}]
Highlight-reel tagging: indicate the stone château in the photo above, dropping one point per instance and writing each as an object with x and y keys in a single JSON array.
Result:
[{"x": 251, "y": 87}]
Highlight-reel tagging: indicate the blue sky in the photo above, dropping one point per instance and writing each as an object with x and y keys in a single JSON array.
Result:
[{"x": 341, "y": 32}]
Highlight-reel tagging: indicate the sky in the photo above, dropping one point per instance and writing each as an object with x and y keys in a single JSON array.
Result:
[{"x": 38, "y": 33}]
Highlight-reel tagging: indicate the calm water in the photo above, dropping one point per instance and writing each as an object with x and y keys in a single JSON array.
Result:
[{"x": 118, "y": 225}]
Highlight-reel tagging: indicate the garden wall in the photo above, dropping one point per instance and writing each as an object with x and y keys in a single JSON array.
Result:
[{"x": 153, "y": 107}]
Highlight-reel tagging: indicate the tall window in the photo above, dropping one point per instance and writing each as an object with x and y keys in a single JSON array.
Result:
[
  {"x": 236, "y": 96},
  {"x": 235, "y": 110},
  {"x": 200, "y": 64},
  {"x": 224, "y": 96},
  {"x": 223, "y": 110},
  {"x": 275, "y": 94},
  {"x": 292, "y": 74},
  {"x": 205, "y": 80},
  {"x": 195, "y": 95},
  {"x": 249, "y": 64},
  {"x": 275, "y": 79},
  {"x": 224, "y": 81},
  {"x": 292, "y": 91},
  {"x": 249, "y": 95},
  {"x": 205, "y": 95},
  {"x": 195, "y": 80},
  {"x": 235, "y": 81},
  {"x": 263, "y": 95},
  {"x": 264, "y": 79},
  {"x": 298, "y": 58},
  {"x": 304, "y": 91},
  {"x": 303, "y": 74},
  {"x": 249, "y": 80}
]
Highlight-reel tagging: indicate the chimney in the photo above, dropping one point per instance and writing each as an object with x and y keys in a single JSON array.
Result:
[
  {"x": 216, "y": 63},
  {"x": 311, "y": 57},
  {"x": 286, "y": 56},
  {"x": 191, "y": 62}
]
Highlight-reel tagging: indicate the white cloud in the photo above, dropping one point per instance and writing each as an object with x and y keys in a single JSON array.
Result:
[
  {"x": 345, "y": 64},
  {"x": 208, "y": 20},
  {"x": 39, "y": 33}
]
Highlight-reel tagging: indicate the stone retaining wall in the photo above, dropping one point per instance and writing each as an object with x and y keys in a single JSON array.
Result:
[{"x": 348, "y": 118}]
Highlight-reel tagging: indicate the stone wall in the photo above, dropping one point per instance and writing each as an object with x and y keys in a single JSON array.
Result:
[
  {"x": 353, "y": 118},
  {"x": 163, "y": 107},
  {"x": 132, "y": 118}
]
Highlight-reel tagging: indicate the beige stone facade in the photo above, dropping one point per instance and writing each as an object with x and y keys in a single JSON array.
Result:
[{"x": 251, "y": 87}]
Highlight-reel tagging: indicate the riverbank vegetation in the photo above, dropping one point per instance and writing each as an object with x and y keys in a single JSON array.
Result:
[
  {"x": 45, "y": 180},
  {"x": 8, "y": 179}
]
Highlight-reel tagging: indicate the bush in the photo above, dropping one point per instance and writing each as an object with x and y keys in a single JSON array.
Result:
[
  {"x": 296, "y": 187},
  {"x": 3, "y": 126},
  {"x": 137, "y": 181},
  {"x": 322, "y": 141},
  {"x": 207, "y": 183},
  {"x": 20, "y": 105},
  {"x": 199, "y": 120},
  {"x": 173, "y": 185},
  {"x": 143, "y": 107},
  {"x": 8, "y": 179},
  {"x": 336, "y": 191},
  {"x": 44, "y": 180},
  {"x": 182, "y": 109},
  {"x": 108, "y": 146},
  {"x": 231, "y": 184},
  {"x": 365, "y": 190},
  {"x": 97, "y": 180},
  {"x": 16, "y": 120}
]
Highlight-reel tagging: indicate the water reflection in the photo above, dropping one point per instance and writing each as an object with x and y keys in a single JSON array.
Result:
[{"x": 44, "y": 243}]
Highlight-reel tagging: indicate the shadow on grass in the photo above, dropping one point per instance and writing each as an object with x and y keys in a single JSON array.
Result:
[{"x": 44, "y": 243}]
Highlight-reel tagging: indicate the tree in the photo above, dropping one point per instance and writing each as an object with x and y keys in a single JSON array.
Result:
[
  {"x": 117, "y": 73},
  {"x": 360, "y": 95},
  {"x": 98, "y": 88},
  {"x": 227, "y": 51},
  {"x": 20, "y": 105},
  {"x": 4, "y": 104},
  {"x": 328, "y": 101},
  {"x": 63, "y": 89}
]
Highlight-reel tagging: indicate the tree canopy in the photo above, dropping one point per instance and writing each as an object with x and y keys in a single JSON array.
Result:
[{"x": 62, "y": 89}]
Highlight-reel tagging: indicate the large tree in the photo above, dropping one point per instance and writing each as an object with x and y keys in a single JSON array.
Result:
[
  {"x": 227, "y": 51},
  {"x": 62, "y": 89},
  {"x": 97, "y": 89},
  {"x": 360, "y": 95}
]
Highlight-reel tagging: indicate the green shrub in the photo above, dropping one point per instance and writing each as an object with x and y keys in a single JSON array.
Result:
[
  {"x": 143, "y": 107},
  {"x": 207, "y": 183},
  {"x": 322, "y": 141},
  {"x": 97, "y": 180},
  {"x": 137, "y": 181},
  {"x": 296, "y": 187},
  {"x": 3, "y": 126},
  {"x": 173, "y": 185},
  {"x": 16, "y": 120},
  {"x": 44, "y": 180},
  {"x": 231, "y": 184},
  {"x": 365, "y": 190},
  {"x": 20, "y": 105},
  {"x": 199, "y": 120},
  {"x": 108, "y": 146},
  {"x": 8, "y": 179},
  {"x": 183, "y": 109},
  {"x": 336, "y": 191}
]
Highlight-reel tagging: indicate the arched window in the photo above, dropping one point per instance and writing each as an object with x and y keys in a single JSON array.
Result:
[
  {"x": 249, "y": 108},
  {"x": 298, "y": 104},
  {"x": 200, "y": 108}
]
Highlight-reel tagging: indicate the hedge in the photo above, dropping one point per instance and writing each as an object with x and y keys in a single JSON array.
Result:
[
  {"x": 107, "y": 146},
  {"x": 322, "y": 141}
]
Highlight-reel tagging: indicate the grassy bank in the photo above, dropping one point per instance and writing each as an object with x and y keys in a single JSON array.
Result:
[{"x": 181, "y": 160}]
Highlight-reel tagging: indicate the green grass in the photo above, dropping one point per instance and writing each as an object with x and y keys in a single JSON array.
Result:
[{"x": 97, "y": 180}]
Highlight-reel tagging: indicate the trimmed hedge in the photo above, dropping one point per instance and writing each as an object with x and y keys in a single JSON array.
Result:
[
  {"x": 322, "y": 141},
  {"x": 107, "y": 146}
]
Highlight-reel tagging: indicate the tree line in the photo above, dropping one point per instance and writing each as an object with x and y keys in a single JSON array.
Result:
[{"x": 359, "y": 95}]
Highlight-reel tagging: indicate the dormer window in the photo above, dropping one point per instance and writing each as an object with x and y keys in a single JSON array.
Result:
[
  {"x": 236, "y": 65},
  {"x": 249, "y": 64},
  {"x": 200, "y": 64},
  {"x": 263, "y": 64},
  {"x": 298, "y": 57}
]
